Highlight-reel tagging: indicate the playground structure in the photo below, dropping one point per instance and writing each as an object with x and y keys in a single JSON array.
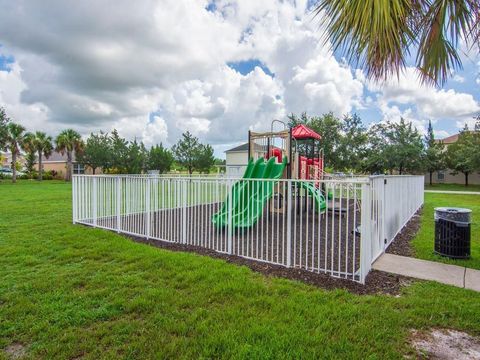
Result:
[
  {"x": 291, "y": 153},
  {"x": 300, "y": 145},
  {"x": 285, "y": 210}
]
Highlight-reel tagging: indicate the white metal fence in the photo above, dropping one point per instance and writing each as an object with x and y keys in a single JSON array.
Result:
[{"x": 337, "y": 227}]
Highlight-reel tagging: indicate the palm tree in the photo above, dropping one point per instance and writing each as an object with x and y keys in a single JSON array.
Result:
[
  {"x": 380, "y": 34},
  {"x": 41, "y": 143},
  {"x": 67, "y": 142},
  {"x": 15, "y": 135}
]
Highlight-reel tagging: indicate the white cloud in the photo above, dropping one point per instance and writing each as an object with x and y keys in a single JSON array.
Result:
[
  {"x": 155, "y": 69},
  {"x": 419, "y": 102},
  {"x": 33, "y": 116},
  {"x": 458, "y": 78},
  {"x": 92, "y": 66}
]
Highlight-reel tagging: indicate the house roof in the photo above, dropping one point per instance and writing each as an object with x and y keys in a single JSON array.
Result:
[
  {"x": 453, "y": 138},
  {"x": 56, "y": 156},
  {"x": 450, "y": 139},
  {"x": 244, "y": 148},
  {"x": 304, "y": 132}
]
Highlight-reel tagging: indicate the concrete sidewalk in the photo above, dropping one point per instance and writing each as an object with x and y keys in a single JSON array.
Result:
[
  {"x": 429, "y": 270},
  {"x": 453, "y": 192}
]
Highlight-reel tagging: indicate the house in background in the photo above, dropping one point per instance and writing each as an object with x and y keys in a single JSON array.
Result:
[
  {"x": 58, "y": 163},
  {"x": 446, "y": 176},
  {"x": 237, "y": 159}
]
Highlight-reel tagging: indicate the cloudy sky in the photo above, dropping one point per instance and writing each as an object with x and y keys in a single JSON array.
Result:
[{"x": 154, "y": 69}]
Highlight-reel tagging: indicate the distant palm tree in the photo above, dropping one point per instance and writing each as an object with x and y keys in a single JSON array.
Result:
[
  {"x": 67, "y": 142},
  {"x": 41, "y": 143},
  {"x": 15, "y": 136},
  {"x": 380, "y": 34}
]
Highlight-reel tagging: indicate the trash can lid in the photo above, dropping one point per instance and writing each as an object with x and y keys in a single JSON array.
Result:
[
  {"x": 457, "y": 215},
  {"x": 453, "y": 210}
]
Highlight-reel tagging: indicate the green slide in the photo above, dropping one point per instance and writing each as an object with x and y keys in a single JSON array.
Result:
[
  {"x": 258, "y": 166},
  {"x": 316, "y": 193},
  {"x": 247, "y": 198}
]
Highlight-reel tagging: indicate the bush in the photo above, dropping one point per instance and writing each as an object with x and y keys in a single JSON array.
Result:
[{"x": 47, "y": 175}]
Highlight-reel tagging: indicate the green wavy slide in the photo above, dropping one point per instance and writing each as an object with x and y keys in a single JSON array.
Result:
[{"x": 248, "y": 198}]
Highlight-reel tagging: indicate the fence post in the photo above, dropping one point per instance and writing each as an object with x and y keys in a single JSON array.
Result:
[
  {"x": 119, "y": 200},
  {"x": 184, "y": 212},
  {"x": 74, "y": 197},
  {"x": 289, "y": 223},
  {"x": 384, "y": 214},
  {"x": 94, "y": 200},
  {"x": 230, "y": 222},
  {"x": 147, "y": 208},
  {"x": 366, "y": 231}
]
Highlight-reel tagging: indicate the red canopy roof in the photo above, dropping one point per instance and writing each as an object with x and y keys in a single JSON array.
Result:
[{"x": 303, "y": 132}]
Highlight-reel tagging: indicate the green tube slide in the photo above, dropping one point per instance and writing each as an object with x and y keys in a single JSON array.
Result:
[{"x": 316, "y": 193}]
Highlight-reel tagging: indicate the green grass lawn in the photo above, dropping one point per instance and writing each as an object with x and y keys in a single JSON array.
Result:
[
  {"x": 68, "y": 291},
  {"x": 423, "y": 243},
  {"x": 452, "y": 187}
]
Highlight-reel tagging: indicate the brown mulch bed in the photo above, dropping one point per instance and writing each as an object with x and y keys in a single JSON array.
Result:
[
  {"x": 377, "y": 282},
  {"x": 401, "y": 244}
]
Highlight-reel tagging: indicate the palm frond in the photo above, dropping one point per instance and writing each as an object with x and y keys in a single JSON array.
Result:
[
  {"x": 378, "y": 35},
  {"x": 375, "y": 34}
]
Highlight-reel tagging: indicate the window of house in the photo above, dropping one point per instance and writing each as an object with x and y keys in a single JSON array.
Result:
[
  {"x": 440, "y": 175},
  {"x": 78, "y": 168}
]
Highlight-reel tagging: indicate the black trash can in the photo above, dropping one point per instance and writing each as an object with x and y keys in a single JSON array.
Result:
[{"x": 452, "y": 232}]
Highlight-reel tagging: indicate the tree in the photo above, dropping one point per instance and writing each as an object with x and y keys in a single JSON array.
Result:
[
  {"x": 30, "y": 159},
  {"x": 159, "y": 158},
  {"x": 96, "y": 152},
  {"x": 352, "y": 146},
  {"x": 476, "y": 144},
  {"x": 329, "y": 127},
  {"x": 205, "y": 158},
  {"x": 461, "y": 154},
  {"x": 69, "y": 141},
  {"x": 40, "y": 143},
  {"x": 14, "y": 138},
  {"x": 434, "y": 153},
  {"x": 394, "y": 147},
  {"x": 136, "y": 158},
  {"x": 4, "y": 120},
  {"x": 380, "y": 35},
  {"x": 119, "y": 148},
  {"x": 186, "y": 151}
]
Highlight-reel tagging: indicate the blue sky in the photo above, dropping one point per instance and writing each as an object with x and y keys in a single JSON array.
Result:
[
  {"x": 6, "y": 61},
  {"x": 246, "y": 66}
]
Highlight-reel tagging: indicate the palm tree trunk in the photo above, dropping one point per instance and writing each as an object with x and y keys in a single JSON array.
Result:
[
  {"x": 14, "y": 168},
  {"x": 40, "y": 166},
  {"x": 68, "y": 175}
]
